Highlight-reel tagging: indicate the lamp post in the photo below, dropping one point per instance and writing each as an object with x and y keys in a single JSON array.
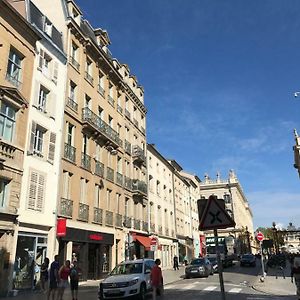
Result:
[{"x": 275, "y": 237}]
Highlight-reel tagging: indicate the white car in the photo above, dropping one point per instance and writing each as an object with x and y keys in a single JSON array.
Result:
[{"x": 129, "y": 278}]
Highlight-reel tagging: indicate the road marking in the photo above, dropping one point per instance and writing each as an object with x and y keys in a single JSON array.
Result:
[
  {"x": 235, "y": 290},
  {"x": 210, "y": 288},
  {"x": 189, "y": 287}
]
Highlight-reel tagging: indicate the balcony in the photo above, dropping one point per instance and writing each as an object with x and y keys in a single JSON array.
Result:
[
  {"x": 137, "y": 224},
  {"x": 14, "y": 80},
  {"x": 160, "y": 231},
  {"x": 139, "y": 187},
  {"x": 70, "y": 153},
  {"x": 145, "y": 226},
  {"x": 119, "y": 109},
  {"x": 7, "y": 151},
  {"x": 83, "y": 212},
  {"x": 119, "y": 179},
  {"x": 74, "y": 63},
  {"x": 110, "y": 174},
  {"x": 85, "y": 161},
  {"x": 119, "y": 220},
  {"x": 128, "y": 222},
  {"x": 72, "y": 104},
  {"x": 127, "y": 183},
  {"x": 152, "y": 227},
  {"x": 135, "y": 122},
  {"x": 101, "y": 90},
  {"x": 65, "y": 208},
  {"x": 111, "y": 100},
  {"x": 98, "y": 215},
  {"x": 109, "y": 218},
  {"x": 94, "y": 123},
  {"x": 99, "y": 168},
  {"x": 138, "y": 154},
  {"x": 127, "y": 147},
  {"x": 89, "y": 78},
  {"x": 127, "y": 114}
]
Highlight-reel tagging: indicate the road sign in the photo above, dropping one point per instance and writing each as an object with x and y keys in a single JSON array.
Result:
[
  {"x": 215, "y": 216},
  {"x": 153, "y": 244},
  {"x": 260, "y": 237}
]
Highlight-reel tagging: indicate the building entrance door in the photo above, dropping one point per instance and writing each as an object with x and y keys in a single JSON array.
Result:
[{"x": 94, "y": 261}]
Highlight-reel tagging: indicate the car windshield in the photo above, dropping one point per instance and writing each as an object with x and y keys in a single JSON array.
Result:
[
  {"x": 130, "y": 268},
  {"x": 198, "y": 261}
]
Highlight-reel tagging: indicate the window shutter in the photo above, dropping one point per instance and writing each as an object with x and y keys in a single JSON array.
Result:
[
  {"x": 51, "y": 104},
  {"x": 51, "y": 151},
  {"x": 32, "y": 137},
  {"x": 55, "y": 71},
  {"x": 32, "y": 190},
  {"x": 36, "y": 94},
  {"x": 41, "y": 59},
  {"x": 40, "y": 192}
]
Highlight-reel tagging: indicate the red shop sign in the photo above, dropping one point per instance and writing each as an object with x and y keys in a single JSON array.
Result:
[
  {"x": 96, "y": 237},
  {"x": 61, "y": 227}
]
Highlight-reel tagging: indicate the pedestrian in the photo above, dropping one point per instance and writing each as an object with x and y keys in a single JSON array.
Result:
[
  {"x": 295, "y": 274},
  {"x": 156, "y": 280},
  {"x": 53, "y": 278},
  {"x": 63, "y": 275},
  {"x": 44, "y": 275},
  {"x": 75, "y": 273},
  {"x": 175, "y": 263}
]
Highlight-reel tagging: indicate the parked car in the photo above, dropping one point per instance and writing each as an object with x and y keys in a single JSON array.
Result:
[
  {"x": 214, "y": 263},
  {"x": 248, "y": 260},
  {"x": 200, "y": 267},
  {"x": 129, "y": 278}
]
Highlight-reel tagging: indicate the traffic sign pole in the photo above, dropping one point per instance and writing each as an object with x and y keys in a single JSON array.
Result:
[
  {"x": 220, "y": 266},
  {"x": 262, "y": 261}
]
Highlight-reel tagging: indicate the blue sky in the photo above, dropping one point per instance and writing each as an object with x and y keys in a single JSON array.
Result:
[{"x": 219, "y": 78}]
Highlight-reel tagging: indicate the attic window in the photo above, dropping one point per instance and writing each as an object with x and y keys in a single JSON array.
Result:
[{"x": 75, "y": 14}]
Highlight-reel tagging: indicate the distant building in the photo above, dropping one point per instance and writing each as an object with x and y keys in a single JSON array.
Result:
[
  {"x": 237, "y": 206},
  {"x": 292, "y": 239}
]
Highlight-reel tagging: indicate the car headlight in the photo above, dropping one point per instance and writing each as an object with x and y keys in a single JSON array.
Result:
[
  {"x": 133, "y": 282},
  {"x": 201, "y": 269}
]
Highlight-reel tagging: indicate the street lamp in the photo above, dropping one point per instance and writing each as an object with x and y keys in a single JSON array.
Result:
[{"x": 275, "y": 237}]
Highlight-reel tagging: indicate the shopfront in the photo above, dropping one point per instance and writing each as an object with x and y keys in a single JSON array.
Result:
[
  {"x": 140, "y": 246},
  {"x": 92, "y": 250}
]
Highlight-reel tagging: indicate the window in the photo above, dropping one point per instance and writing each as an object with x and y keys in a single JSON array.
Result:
[
  {"x": 88, "y": 71},
  {"x": 88, "y": 102},
  {"x": 74, "y": 56},
  {"x": 119, "y": 165},
  {"x": 3, "y": 192},
  {"x": 48, "y": 26},
  {"x": 119, "y": 127},
  {"x": 37, "y": 139},
  {"x": 70, "y": 136},
  {"x": 84, "y": 144},
  {"x": 42, "y": 99},
  {"x": 101, "y": 85},
  {"x": 7, "y": 121},
  {"x": 101, "y": 112},
  {"x": 126, "y": 206},
  {"x": 108, "y": 198},
  {"x": 83, "y": 190},
  {"x": 97, "y": 195},
  {"x": 110, "y": 121},
  {"x": 73, "y": 87},
  {"x": 158, "y": 187},
  {"x": 227, "y": 198},
  {"x": 45, "y": 62},
  {"x": 118, "y": 196},
  {"x": 36, "y": 192},
  {"x": 14, "y": 68},
  {"x": 66, "y": 185}
]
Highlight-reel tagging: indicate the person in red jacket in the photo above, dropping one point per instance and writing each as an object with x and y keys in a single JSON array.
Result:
[{"x": 156, "y": 279}]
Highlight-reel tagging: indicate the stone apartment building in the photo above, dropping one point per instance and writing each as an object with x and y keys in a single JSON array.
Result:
[
  {"x": 236, "y": 204},
  {"x": 17, "y": 55}
]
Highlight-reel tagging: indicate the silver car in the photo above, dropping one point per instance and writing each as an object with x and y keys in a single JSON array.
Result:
[
  {"x": 199, "y": 267},
  {"x": 129, "y": 278}
]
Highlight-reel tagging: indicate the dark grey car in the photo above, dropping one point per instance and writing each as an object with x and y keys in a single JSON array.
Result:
[{"x": 199, "y": 267}]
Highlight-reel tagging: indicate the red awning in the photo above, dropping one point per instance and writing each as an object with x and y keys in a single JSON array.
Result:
[{"x": 144, "y": 240}]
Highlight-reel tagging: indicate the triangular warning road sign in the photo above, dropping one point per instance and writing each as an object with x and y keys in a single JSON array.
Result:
[{"x": 215, "y": 216}]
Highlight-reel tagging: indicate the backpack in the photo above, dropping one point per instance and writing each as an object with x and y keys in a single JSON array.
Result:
[{"x": 74, "y": 273}]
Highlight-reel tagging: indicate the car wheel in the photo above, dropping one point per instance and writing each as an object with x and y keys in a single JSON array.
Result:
[{"x": 142, "y": 295}]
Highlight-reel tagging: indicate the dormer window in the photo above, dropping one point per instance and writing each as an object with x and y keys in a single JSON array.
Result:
[{"x": 48, "y": 27}]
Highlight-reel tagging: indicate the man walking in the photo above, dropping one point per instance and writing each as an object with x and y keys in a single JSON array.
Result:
[
  {"x": 156, "y": 279},
  {"x": 175, "y": 263},
  {"x": 53, "y": 278}
]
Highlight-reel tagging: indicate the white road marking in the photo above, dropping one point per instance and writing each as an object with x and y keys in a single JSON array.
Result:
[
  {"x": 189, "y": 287},
  {"x": 210, "y": 288},
  {"x": 235, "y": 290}
]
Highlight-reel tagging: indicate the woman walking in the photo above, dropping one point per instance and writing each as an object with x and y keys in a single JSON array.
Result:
[
  {"x": 295, "y": 274},
  {"x": 75, "y": 273},
  {"x": 63, "y": 275},
  {"x": 44, "y": 275},
  {"x": 156, "y": 280}
]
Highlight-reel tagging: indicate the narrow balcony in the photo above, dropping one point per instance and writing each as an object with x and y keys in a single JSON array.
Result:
[
  {"x": 139, "y": 188},
  {"x": 99, "y": 168},
  {"x": 14, "y": 80},
  {"x": 65, "y": 208},
  {"x": 109, "y": 218},
  {"x": 70, "y": 152},
  {"x": 127, "y": 114},
  {"x": 127, "y": 183},
  {"x": 85, "y": 161},
  {"x": 111, "y": 100},
  {"x": 89, "y": 78},
  {"x": 135, "y": 122},
  {"x": 145, "y": 226},
  {"x": 98, "y": 215},
  {"x": 71, "y": 103},
  {"x": 110, "y": 174},
  {"x": 74, "y": 63},
  {"x": 152, "y": 227},
  {"x": 118, "y": 221},
  {"x": 127, "y": 222},
  {"x": 119, "y": 179},
  {"x": 138, "y": 155},
  {"x": 127, "y": 147},
  {"x": 99, "y": 128},
  {"x": 83, "y": 212},
  {"x": 137, "y": 224},
  {"x": 101, "y": 90},
  {"x": 119, "y": 109},
  {"x": 160, "y": 230},
  {"x": 7, "y": 150}
]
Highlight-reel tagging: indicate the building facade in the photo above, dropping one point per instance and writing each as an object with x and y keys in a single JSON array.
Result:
[
  {"x": 17, "y": 55},
  {"x": 237, "y": 206}
]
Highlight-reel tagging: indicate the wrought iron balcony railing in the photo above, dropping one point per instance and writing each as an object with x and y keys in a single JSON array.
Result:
[
  {"x": 138, "y": 154},
  {"x": 95, "y": 121},
  {"x": 119, "y": 220},
  {"x": 71, "y": 103},
  {"x": 145, "y": 226},
  {"x": 70, "y": 152},
  {"x": 65, "y": 208},
  {"x": 109, "y": 218},
  {"x": 139, "y": 186},
  {"x": 119, "y": 179},
  {"x": 111, "y": 100},
  {"x": 83, "y": 212},
  {"x": 98, "y": 215},
  {"x": 127, "y": 222},
  {"x": 127, "y": 147},
  {"x": 127, "y": 183},
  {"x": 127, "y": 114},
  {"x": 99, "y": 168},
  {"x": 119, "y": 109},
  {"x": 110, "y": 174},
  {"x": 101, "y": 90},
  {"x": 89, "y": 78},
  {"x": 135, "y": 122},
  {"x": 137, "y": 224},
  {"x": 13, "y": 80},
  {"x": 86, "y": 161},
  {"x": 75, "y": 63}
]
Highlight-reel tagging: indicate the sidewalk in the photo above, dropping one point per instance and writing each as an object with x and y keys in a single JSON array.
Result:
[
  {"x": 169, "y": 276},
  {"x": 279, "y": 286}
]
